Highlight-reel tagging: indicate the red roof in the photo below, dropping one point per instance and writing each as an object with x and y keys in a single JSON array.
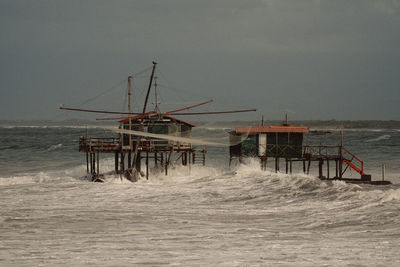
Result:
[
  {"x": 270, "y": 129},
  {"x": 149, "y": 114}
]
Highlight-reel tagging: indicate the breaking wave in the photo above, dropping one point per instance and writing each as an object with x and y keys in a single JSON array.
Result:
[{"x": 380, "y": 138}]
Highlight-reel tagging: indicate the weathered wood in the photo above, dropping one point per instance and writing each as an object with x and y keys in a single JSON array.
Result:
[
  {"x": 327, "y": 168},
  {"x": 277, "y": 164},
  {"x": 166, "y": 163},
  {"x": 129, "y": 159},
  {"x": 87, "y": 162},
  {"x": 98, "y": 162},
  {"x": 147, "y": 166},
  {"x": 287, "y": 166},
  {"x": 122, "y": 162},
  {"x": 116, "y": 159},
  {"x": 320, "y": 171}
]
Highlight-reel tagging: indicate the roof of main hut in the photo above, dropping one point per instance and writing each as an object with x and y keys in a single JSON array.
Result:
[
  {"x": 270, "y": 129},
  {"x": 155, "y": 117}
]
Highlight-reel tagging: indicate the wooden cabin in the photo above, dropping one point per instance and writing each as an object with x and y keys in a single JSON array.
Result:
[
  {"x": 157, "y": 123},
  {"x": 268, "y": 141}
]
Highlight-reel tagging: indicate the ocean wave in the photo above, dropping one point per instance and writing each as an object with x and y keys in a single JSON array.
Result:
[
  {"x": 54, "y": 147},
  {"x": 380, "y": 138}
]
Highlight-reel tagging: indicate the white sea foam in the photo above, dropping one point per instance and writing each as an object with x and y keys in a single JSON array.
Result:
[
  {"x": 54, "y": 147},
  {"x": 380, "y": 138}
]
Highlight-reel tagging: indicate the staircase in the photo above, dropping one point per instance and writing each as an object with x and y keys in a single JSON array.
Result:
[{"x": 354, "y": 163}]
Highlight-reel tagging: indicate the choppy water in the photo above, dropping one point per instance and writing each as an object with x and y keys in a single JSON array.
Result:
[{"x": 51, "y": 215}]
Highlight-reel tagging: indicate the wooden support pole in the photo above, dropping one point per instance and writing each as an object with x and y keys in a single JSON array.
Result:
[
  {"x": 87, "y": 162},
  {"x": 320, "y": 172},
  {"x": 122, "y": 162},
  {"x": 91, "y": 163},
  {"x": 383, "y": 172},
  {"x": 166, "y": 163},
  {"x": 147, "y": 165},
  {"x": 327, "y": 168},
  {"x": 308, "y": 166},
  {"x": 336, "y": 169},
  {"x": 98, "y": 162},
  {"x": 94, "y": 163},
  {"x": 129, "y": 159},
  {"x": 155, "y": 159},
  {"x": 290, "y": 166},
  {"x": 304, "y": 165},
  {"x": 116, "y": 159},
  {"x": 162, "y": 159},
  {"x": 138, "y": 161},
  {"x": 287, "y": 166},
  {"x": 190, "y": 162},
  {"x": 277, "y": 164}
]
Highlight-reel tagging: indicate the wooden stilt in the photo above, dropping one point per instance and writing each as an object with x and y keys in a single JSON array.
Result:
[
  {"x": 87, "y": 162},
  {"x": 287, "y": 165},
  {"x": 304, "y": 165},
  {"x": 308, "y": 167},
  {"x": 336, "y": 169},
  {"x": 98, "y": 162},
  {"x": 91, "y": 163},
  {"x": 327, "y": 168},
  {"x": 94, "y": 163},
  {"x": 190, "y": 162},
  {"x": 290, "y": 162},
  {"x": 320, "y": 171},
  {"x": 166, "y": 163},
  {"x": 116, "y": 162},
  {"x": 277, "y": 164},
  {"x": 147, "y": 165},
  {"x": 155, "y": 159},
  {"x": 129, "y": 159},
  {"x": 122, "y": 162}
]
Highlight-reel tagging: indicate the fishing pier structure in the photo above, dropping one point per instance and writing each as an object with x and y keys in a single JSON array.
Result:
[
  {"x": 129, "y": 151},
  {"x": 148, "y": 135},
  {"x": 286, "y": 143}
]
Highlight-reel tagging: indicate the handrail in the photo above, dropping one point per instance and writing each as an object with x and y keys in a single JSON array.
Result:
[{"x": 354, "y": 157}]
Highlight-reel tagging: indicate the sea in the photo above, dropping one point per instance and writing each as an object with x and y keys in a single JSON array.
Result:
[{"x": 213, "y": 215}]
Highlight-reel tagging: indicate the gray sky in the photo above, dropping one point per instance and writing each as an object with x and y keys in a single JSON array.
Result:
[{"x": 313, "y": 59}]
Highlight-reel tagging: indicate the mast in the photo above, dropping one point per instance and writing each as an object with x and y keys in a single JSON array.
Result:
[
  {"x": 148, "y": 90},
  {"x": 130, "y": 94},
  {"x": 130, "y": 107}
]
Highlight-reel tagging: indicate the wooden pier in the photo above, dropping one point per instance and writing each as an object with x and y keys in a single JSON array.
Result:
[
  {"x": 285, "y": 143},
  {"x": 146, "y": 136},
  {"x": 128, "y": 159}
]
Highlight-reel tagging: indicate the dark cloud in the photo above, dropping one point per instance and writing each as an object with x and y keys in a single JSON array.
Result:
[{"x": 318, "y": 59}]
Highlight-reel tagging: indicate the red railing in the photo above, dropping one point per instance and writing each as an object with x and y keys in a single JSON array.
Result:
[{"x": 358, "y": 165}]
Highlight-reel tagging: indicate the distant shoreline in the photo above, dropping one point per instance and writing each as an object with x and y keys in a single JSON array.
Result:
[{"x": 331, "y": 124}]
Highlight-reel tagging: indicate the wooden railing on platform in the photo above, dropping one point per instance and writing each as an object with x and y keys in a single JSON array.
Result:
[
  {"x": 355, "y": 163},
  {"x": 98, "y": 144}
]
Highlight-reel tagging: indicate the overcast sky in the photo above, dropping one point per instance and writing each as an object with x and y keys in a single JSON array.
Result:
[{"x": 314, "y": 59}]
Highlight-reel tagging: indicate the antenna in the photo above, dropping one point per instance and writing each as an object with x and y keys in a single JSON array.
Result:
[{"x": 286, "y": 122}]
